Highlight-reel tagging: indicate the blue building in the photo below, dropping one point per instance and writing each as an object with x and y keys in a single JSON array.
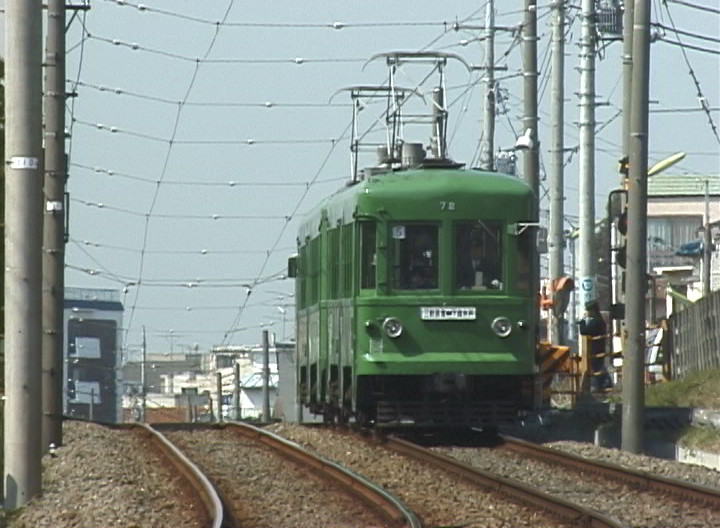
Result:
[{"x": 92, "y": 373}]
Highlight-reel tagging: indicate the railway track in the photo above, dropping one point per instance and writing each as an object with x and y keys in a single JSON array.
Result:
[
  {"x": 633, "y": 498},
  {"x": 566, "y": 511},
  {"x": 642, "y": 480},
  {"x": 202, "y": 490},
  {"x": 441, "y": 490},
  {"x": 250, "y": 468}
]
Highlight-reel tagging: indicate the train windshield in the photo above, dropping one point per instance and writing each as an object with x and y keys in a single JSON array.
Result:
[
  {"x": 415, "y": 256},
  {"x": 478, "y": 256}
]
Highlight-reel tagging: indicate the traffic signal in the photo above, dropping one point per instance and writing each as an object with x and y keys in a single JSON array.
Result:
[
  {"x": 624, "y": 166},
  {"x": 618, "y": 217}
]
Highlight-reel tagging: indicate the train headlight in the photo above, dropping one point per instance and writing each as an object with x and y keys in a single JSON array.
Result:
[
  {"x": 392, "y": 327},
  {"x": 501, "y": 326}
]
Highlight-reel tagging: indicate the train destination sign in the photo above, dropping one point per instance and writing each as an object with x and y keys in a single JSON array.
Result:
[{"x": 448, "y": 313}]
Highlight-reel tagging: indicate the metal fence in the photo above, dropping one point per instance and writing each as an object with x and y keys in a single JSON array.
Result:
[{"x": 695, "y": 337}]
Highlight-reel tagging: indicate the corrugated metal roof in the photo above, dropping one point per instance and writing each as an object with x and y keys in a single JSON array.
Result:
[
  {"x": 255, "y": 381},
  {"x": 668, "y": 184}
]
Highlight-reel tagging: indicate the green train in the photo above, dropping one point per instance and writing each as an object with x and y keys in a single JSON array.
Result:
[{"x": 415, "y": 300}]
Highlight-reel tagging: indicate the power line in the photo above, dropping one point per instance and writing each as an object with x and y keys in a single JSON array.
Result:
[
  {"x": 335, "y": 25},
  {"x": 174, "y": 141},
  {"x": 299, "y": 61},
  {"x": 209, "y": 216},
  {"x": 189, "y": 283},
  {"x": 689, "y": 46},
  {"x": 202, "y": 252},
  {"x": 684, "y": 110},
  {"x": 241, "y": 310},
  {"x": 701, "y": 98},
  {"x": 694, "y": 6},
  {"x": 687, "y": 33},
  {"x": 218, "y": 104},
  {"x": 203, "y": 183},
  {"x": 74, "y": 86}
]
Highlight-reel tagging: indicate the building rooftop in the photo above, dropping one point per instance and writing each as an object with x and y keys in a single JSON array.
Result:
[{"x": 668, "y": 184}]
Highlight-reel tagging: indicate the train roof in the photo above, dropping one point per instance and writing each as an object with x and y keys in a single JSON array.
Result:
[{"x": 409, "y": 193}]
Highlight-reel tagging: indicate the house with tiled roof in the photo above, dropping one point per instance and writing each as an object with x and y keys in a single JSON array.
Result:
[{"x": 676, "y": 215}]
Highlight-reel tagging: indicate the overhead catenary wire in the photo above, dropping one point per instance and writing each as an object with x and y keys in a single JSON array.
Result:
[
  {"x": 176, "y": 180},
  {"x": 701, "y": 97},
  {"x": 165, "y": 282},
  {"x": 174, "y": 141},
  {"x": 187, "y": 216},
  {"x": 219, "y": 104},
  {"x": 202, "y": 183},
  {"x": 233, "y": 328},
  {"x": 202, "y": 251},
  {"x": 335, "y": 25},
  {"x": 298, "y": 61},
  {"x": 163, "y": 173}
]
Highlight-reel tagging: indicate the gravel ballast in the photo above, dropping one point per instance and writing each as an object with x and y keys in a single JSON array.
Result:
[{"x": 102, "y": 477}]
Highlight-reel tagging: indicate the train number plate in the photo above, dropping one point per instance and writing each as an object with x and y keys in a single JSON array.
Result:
[{"x": 447, "y": 313}]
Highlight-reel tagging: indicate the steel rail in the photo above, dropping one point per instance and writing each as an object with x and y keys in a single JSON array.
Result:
[
  {"x": 644, "y": 480},
  {"x": 388, "y": 505},
  {"x": 202, "y": 487},
  {"x": 564, "y": 510}
]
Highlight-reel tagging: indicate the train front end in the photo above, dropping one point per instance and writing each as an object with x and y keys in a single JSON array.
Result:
[{"x": 444, "y": 316}]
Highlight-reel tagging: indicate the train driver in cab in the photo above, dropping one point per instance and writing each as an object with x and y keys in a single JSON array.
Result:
[{"x": 478, "y": 257}]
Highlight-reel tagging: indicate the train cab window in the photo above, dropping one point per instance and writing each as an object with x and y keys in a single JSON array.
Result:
[
  {"x": 368, "y": 254},
  {"x": 415, "y": 256},
  {"x": 478, "y": 256}
]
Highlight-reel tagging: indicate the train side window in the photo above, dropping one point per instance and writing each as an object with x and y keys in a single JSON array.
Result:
[
  {"x": 368, "y": 252},
  {"x": 301, "y": 286},
  {"x": 415, "y": 256},
  {"x": 525, "y": 245},
  {"x": 347, "y": 256},
  {"x": 334, "y": 263},
  {"x": 478, "y": 256}
]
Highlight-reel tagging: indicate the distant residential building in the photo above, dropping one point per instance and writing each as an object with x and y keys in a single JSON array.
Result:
[{"x": 676, "y": 216}]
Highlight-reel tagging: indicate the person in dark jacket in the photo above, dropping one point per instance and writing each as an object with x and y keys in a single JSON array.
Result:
[{"x": 593, "y": 324}]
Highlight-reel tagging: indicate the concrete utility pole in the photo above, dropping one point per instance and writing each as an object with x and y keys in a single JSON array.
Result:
[
  {"x": 572, "y": 328},
  {"x": 53, "y": 263},
  {"x": 23, "y": 257},
  {"x": 628, "y": 21},
  {"x": 218, "y": 390},
  {"x": 618, "y": 295},
  {"x": 557, "y": 196},
  {"x": 236, "y": 394},
  {"x": 633, "y": 411},
  {"x": 707, "y": 244},
  {"x": 587, "y": 153},
  {"x": 487, "y": 161},
  {"x": 266, "y": 377},
  {"x": 143, "y": 378},
  {"x": 530, "y": 120}
]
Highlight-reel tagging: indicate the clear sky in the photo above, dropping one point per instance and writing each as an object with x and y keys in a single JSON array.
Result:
[{"x": 202, "y": 132}]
